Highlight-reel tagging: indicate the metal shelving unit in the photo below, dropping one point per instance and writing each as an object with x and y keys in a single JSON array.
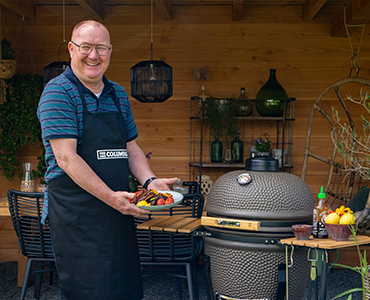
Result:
[{"x": 283, "y": 138}]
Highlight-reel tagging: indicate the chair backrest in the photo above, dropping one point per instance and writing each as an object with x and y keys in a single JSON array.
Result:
[
  {"x": 34, "y": 238},
  {"x": 158, "y": 246},
  {"x": 322, "y": 160}
]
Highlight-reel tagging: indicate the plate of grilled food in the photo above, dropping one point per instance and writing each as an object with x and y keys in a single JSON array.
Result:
[{"x": 153, "y": 200}]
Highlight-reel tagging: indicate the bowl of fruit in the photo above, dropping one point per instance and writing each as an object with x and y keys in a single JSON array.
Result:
[{"x": 338, "y": 223}]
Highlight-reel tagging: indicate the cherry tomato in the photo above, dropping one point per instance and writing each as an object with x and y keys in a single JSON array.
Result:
[
  {"x": 160, "y": 201},
  {"x": 169, "y": 200}
]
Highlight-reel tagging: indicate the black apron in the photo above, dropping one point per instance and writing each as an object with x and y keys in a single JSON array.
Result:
[{"x": 95, "y": 245}]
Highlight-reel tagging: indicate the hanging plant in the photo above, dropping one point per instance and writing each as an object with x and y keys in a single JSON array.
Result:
[
  {"x": 19, "y": 125},
  {"x": 221, "y": 116}
]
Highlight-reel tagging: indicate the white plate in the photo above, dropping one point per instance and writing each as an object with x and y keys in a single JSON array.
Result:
[{"x": 177, "y": 198}]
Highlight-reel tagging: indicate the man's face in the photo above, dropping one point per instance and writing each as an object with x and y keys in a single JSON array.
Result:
[{"x": 89, "y": 68}]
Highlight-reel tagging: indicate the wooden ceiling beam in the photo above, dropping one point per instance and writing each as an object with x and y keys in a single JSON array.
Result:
[
  {"x": 311, "y": 8},
  {"x": 357, "y": 13},
  {"x": 24, "y": 8},
  {"x": 95, "y": 8},
  {"x": 238, "y": 10},
  {"x": 164, "y": 9}
]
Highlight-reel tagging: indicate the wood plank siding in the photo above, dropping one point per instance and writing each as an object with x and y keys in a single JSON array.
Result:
[{"x": 238, "y": 53}]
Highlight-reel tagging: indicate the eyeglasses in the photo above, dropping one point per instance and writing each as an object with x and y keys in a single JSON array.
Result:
[{"x": 85, "y": 48}]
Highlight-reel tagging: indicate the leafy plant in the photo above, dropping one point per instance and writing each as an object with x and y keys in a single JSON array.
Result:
[
  {"x": 7, "y": 52},
  {"x": 19, "y": 125},
  {"x": 262, "y": 144},
  {"x": 221, "y": 116},
  {"x": 363, "y": 269}
]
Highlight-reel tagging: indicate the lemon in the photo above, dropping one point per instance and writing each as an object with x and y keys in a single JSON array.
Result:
[
  {"x": 332, "y": 218},
  {"x": 347, "y": 219}
]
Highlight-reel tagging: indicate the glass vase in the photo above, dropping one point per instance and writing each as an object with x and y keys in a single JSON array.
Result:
[
  {"x": 27, "y": 183},
  {"x": 237, "y": 149},
  {"x": 271, "y": 97},
  {"x": 216, "y": 151},
  {"x": 245, "y": 105}
]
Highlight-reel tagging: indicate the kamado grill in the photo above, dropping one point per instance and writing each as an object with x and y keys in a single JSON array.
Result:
[{"x": 245, "y": 221}]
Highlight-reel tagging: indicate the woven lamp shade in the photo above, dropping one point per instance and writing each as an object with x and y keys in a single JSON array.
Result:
[
  {"x": 7, "y": 68},
  {"x": 54, "y": 69},
  {"x": 151, "y": 81}
]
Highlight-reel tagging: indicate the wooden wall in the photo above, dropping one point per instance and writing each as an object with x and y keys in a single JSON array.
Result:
[{"x": 306, "y": 56}]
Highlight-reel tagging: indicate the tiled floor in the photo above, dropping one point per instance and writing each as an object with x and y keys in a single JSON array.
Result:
[{"x": 164, "y": 288}]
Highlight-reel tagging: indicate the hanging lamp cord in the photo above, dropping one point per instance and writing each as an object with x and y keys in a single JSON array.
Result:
[
  {"x": 354, "y": 55},
  {"x": 151, "y": 30},
  {"x": 64, "y": 30},
  {"x": 0, "y": 33}
]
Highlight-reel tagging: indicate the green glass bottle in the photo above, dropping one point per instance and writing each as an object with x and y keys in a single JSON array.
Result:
[
  {"x": 237, "y": 148},
  {"x": 271, "y": 97},
  {"x": 245, "y": 105},
  {"x": 216, "y": 151}
]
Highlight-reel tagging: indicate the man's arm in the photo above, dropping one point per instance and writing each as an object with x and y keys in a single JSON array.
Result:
[
  {"x": 140, "y": 168},
  {"x": 81, "y": 173}
]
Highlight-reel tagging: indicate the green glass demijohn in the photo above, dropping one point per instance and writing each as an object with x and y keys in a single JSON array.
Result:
[
  {"x": 216, "y": 151},
  {"x": 271, "y": 97},
  {"x": 237, "y": 149}
]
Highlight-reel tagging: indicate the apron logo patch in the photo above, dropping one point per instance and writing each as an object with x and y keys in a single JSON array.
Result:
[{"x": 112, "y": 154}]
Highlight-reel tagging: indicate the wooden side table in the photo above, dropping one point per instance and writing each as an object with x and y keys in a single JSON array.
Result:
[{"x": 322, "y": 245}]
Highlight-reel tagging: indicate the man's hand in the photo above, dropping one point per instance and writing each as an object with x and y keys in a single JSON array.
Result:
[
  {"x": 161, "y": 184},
  {"x": 121, "y": 202}
]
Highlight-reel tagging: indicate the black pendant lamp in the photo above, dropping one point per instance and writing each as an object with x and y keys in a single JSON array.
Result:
[
  {"x": 57, "y": 67},
  {"x": 151, "y": 80}
]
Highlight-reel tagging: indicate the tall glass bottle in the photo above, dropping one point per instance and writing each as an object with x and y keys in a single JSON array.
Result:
[
  {"x": 216, "y": 151},
  {"x": 245, "y": 105},
  {"x": 203, "y": 94},
  {"x": 237, "y": 149},
  {"x": 320, "y": 211},
  {"x": 271, "y": 97}
]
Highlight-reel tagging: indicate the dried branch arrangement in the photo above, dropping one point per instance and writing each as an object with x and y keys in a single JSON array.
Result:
[
  {"x": 200, "y": 73},
  {"x": 354, "y": 146}
]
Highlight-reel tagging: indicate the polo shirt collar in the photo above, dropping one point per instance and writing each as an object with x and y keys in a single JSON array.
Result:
[{"x": 72, "y": 77}]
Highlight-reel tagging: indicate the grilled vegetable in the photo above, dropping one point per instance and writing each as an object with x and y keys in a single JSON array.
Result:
[{"x": 151, "y": 197}]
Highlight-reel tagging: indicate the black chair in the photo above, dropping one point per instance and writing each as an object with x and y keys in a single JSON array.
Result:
[
  {"x": 34, "y": 238},
  {"x": 167, "y": 250}
]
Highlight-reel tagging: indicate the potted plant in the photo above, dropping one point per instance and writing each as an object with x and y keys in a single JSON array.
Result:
[
  {"x": 8, "y": 64},
  {"x": 262, "y": 146}
]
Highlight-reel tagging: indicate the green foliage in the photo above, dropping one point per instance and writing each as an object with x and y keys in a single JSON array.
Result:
[
  {"x": 363, "y": 269},
  {"x": 19, "y": 125},
  {"x": 221, "y": 116},
  {"x": 7, "y": 52},
  {"x": 262, "y": 144},
  {"x": 354, "y": 146}
]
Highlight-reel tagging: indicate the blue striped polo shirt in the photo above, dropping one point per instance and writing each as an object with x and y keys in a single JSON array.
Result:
[{"x": 60, "y": 112}]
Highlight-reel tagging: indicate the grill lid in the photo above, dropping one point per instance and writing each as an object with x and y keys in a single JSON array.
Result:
[{"x": 269, "y": 196}]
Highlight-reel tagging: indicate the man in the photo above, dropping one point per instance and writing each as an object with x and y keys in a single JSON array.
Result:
[{"x": 89, "y": 136}]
